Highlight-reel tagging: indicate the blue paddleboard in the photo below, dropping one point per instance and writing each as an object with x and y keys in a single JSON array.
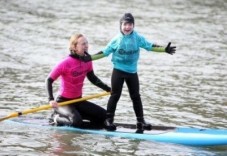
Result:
[{"x": 175, "y": 135}]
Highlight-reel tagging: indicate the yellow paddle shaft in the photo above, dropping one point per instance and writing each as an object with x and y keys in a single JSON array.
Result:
[{"x": 45, "y": 107}]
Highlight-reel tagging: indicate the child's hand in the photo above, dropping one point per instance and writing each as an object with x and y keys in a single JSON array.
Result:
[
  {"x": 86, "y": 58},
  {"x": 169, "y": 49}
]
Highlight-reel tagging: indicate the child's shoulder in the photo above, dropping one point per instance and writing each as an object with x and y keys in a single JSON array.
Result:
[
  {"x": 116, "y": 37},
  {"x": 137, "y": 34}
]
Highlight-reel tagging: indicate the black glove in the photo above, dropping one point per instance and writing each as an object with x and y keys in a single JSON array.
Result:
[
  {"x": 86, "y": 58},
  {"x": 169, "y": 49}
]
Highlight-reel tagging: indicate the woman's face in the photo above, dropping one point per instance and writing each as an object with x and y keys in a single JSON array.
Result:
[
  {"x": 127, "y": 28},
  {"x": 81, "y": 46}
]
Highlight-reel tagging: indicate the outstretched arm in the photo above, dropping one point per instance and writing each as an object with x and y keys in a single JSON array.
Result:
[
  {"x": 96, "y": 56},
  {"x": 168, "y": 49}
]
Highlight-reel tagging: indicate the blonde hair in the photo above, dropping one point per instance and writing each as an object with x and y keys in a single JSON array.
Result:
[{"x": 73, "y": 40}]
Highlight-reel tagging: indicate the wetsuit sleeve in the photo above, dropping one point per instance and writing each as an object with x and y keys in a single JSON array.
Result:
[
  {"x": 96, "y": 81},
  {"x": 157, "y": 48},
  {"x": 168, "y": 49},
  {"x": 111, "y": 46},
  {"x": 97, "y": 56},
  {"x": 149, "y": 46},
  {"x": 49, "y": 88},
  {"x": 143, "y": 43}
]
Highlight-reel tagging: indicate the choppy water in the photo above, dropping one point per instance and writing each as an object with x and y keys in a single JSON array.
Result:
[{"x": 186, "y": 89}]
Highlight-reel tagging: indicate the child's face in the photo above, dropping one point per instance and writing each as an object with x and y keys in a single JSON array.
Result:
[{"x": 127, "y": 28}]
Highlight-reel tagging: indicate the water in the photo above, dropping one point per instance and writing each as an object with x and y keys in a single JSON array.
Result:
[{"x": 186, "y": 89}]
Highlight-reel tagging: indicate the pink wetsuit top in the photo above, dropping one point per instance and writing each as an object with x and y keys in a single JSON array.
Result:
[{"x": 72, "y": 73}]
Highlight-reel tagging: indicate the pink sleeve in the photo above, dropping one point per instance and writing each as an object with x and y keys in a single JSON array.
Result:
[{"x": 56, "y": 71}]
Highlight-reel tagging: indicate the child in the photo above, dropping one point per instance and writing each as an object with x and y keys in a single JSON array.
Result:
[{"x": 125, "y": 49}]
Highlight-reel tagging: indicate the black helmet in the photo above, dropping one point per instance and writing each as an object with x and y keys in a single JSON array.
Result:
[{"x": 127, "y": 17}]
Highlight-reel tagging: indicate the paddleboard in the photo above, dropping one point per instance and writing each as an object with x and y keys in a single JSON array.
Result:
[{"x": 176, "y": 135}]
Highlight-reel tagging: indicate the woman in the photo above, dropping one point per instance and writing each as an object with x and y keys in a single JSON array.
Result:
[{"x": 72, "y": 71}]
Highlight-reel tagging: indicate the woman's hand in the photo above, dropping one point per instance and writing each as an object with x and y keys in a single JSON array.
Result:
[{"x": 53, "y": 104}]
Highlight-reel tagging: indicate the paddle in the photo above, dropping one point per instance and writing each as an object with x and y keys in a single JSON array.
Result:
[{"x": 45, "y": 107}]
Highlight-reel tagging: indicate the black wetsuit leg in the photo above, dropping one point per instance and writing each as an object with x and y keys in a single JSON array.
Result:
[
  {"x": 93, "y": 113},
  {"x": 117, "y": 81},
  {"x": 66, "y": 115},
  {"x": 132, "y": 82},
  {"x": 74, "y": 114}
]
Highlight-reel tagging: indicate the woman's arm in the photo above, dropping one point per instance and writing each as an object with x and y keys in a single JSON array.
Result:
[
  {"x": 96, "y": 81},
  {"x": 49, "y": 88}
]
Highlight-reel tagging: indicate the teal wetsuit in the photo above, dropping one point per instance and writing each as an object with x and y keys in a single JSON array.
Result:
[{"x": 125, "y": 51}]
